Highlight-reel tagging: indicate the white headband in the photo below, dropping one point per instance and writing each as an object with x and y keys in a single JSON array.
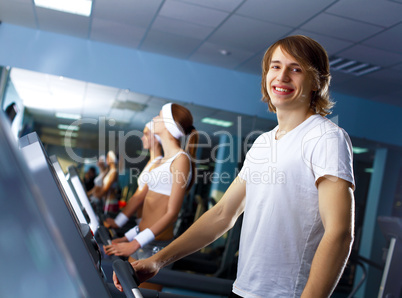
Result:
[
  {"x": 170, "y": 124},
  {"x": 149, "y": 126}
]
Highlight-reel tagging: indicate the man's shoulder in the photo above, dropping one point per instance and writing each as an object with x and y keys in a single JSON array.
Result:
[{"x": 321, "y": 126}]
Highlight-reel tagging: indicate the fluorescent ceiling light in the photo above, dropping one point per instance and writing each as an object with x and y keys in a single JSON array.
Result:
[
  {"x": 350, "y": 66},
  {"x": 47, "y": 92},
  {"x": 335, "y": 61},
  {"x": 368, "y": 70},
  {"x": 68, "y": 127},
  {"x": 217, "y": 122},
  {"x": 358, "y": 150},
  {"x": 344, "y": 65},
  {"x": 68, "y": 116},
  {"x": 353, "y": 69},
  {"x": 79, "y": 7},
  {"x": 369, "y": 170},
  {"x": 73, "y": 134}
]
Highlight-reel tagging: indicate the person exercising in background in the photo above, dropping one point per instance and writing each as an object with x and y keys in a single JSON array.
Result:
[
  {"x": 298, "y": 225},
  {"x": 151, "y": 142},
  {"x": 168, "y": 180},
  {"x": 96, "y": 202},
  {"x": 89, "y": 178},
  {"x": 108, "y": 192}
]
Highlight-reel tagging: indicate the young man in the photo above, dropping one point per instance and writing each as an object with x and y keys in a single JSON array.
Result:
[{"x": 298, "y": 227}]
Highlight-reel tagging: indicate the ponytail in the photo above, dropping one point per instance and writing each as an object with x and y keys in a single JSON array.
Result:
[
  {"x": 182, "y": 116},
  {"x": 191, "y": 149}
]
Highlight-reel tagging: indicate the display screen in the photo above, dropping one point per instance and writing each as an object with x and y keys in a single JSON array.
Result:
[
  {"x": 72, "y": 197},
  {"x": 75, "y": 182}
]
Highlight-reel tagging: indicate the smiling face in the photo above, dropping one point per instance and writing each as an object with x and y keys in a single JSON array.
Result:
[{"x": 288, "y": 85}]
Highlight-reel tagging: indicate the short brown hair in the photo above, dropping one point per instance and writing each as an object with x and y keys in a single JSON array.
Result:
[{"x": 313, "y": 58}]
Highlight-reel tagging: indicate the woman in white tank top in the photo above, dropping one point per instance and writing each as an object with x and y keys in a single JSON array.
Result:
[
  {"x": 168, "y": 181},
  {"x": 150, "y": 142}
]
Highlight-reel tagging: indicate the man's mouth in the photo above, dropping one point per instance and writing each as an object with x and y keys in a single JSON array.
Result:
[{"x": 282, "y": 89}]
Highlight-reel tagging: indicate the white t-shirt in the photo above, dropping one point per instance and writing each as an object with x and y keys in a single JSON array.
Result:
[{"x": 282, "y": 226}]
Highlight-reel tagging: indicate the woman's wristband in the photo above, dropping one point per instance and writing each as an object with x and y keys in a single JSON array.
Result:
[
  {"x": 145, "y": 237},
  {"x": 121, "y": 219},
  {"x": 130, "y": 235}
]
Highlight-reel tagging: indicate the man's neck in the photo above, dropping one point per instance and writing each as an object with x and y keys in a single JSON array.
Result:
[{"x": 290, "y": 119}]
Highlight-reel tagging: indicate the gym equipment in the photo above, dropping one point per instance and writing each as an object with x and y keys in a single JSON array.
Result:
[
  {"x": 71, "y": 195},
  {"x": 83, "y": 251},
  {"x": 193, "y": 282},
  {"x": 127, "y": 278},
  {"x": 35, "y": 260},
  {"x": 391, "y": 283},
  {"x": 223, "y": 265},
  {"x": 83, "y": 248},
  {"x": 76, "y": 184},
  {"x": 129, "y": 281}
]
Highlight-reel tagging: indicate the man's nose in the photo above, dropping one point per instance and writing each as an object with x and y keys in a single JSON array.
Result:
[{"x": 283, "y": 75}]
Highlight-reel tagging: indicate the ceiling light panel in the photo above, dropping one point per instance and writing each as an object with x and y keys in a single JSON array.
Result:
[
  {"x": 48, "y": 92},
  {"x": 359, "y": 150},
  {"x": 68, "y": 116},
  {"x": 68, "y": 127},
  {"x": 79, "y": 7},
  {"x": 217, "y": 122}
]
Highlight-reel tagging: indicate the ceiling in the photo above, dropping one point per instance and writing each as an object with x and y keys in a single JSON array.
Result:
[
  {"x": 232, "y": 34},
  {"x": 368, "y": 31}
]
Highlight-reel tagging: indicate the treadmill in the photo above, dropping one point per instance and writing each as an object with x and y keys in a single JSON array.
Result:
[
  {"x": 79, "y": 211},
  {"x": 35, "y": 260},
  {"x": 75, "y": 197},
  {"x": 81, "y": 245},
  {"x": 95, "y": 219},
  {"x": 83, "y": 248},
  {"x": 391, "y": 282}
]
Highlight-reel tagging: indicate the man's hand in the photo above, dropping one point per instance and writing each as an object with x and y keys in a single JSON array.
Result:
[
  {"x": 117, "y": 282},
  {"x": 145, "y": 269}
]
